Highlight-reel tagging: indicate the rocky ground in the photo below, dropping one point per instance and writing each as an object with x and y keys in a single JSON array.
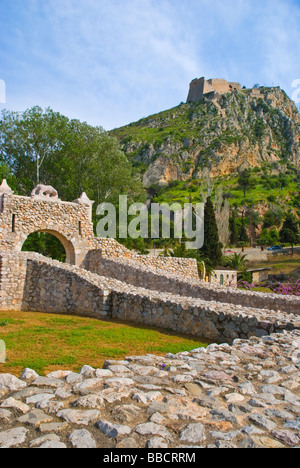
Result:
[{"x": 241, "y": 396}]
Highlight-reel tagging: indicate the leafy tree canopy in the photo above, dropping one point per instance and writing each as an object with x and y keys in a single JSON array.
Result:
[{"x": 38, "y": 146}]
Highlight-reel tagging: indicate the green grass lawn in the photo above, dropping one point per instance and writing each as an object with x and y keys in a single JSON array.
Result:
[
  {"x": 286, "y": 264},
  {"x": 46, "y": 342}
]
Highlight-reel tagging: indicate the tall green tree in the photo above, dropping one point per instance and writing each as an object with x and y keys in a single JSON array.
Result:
[
  {"x": 268, "y": 237},
  {"x": 289, "y": 232},
  {"x": 43, "y": 146},
  {"x": 212, "y": 247},
  {"x": 234, "y": 235},
  {"x": 243, "y": 236},
  {"x": 29, "y": 139},
  {"x": 245, "y": 180}
]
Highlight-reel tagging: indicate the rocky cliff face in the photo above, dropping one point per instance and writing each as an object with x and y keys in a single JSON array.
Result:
[{"x": 220, "y": 134}]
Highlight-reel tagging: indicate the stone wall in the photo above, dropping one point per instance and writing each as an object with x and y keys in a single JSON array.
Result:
[
  {"x": 31, "y": 282},
  {"x": 208, "y": 320},
  {"x": 69, "y": 222},
  {"x": 196, "y": 90},
  {"x": 158, "y": 273},
  {"x": 149, "y": 277},
  {"x": 113, "y": 282}
]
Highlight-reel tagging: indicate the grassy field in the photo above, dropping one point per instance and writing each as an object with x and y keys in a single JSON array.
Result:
[
  {"x": 288, "y": 265},
  {"x": 46, "y": 342}
]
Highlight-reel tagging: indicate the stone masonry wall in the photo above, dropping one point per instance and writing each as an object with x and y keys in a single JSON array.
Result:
[
  {"x": 139, "y": 275},
  {"x": 32, "y": 282},
  {"x": 200, "y": 87},
  {"x": 146, "y": 272},
  {"x": 29, "y": 281},
  {"x": 71, "y": 224},
  {"x": 21, "y": 216},
  {"x": 208, "y": 320},
  {"x": 111, "y": 249},
  {"x": 113, "y": 282}
]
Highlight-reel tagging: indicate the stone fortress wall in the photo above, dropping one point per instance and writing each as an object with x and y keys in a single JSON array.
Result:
[{"x": 213, "y": 88}]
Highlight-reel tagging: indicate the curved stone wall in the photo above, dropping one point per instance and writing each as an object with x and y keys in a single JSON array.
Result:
[{"x": 32, "y": 282}]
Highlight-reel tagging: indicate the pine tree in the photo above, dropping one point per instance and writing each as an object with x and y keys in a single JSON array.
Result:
[
  {"x": 243, "y": 233},
  {"x": 290, "y": 231},
  {"x": 245, "y": 181},
  {"x": 212, "y": 247},
  {"x": 233, "y": 229}
]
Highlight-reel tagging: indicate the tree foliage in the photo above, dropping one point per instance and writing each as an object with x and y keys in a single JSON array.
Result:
[
  {"x": 212, "y": 247},
  {"x": 245, "y": 180},
  {"x": 45, "y": 244},
  {"x": 236, "y": 261},
  {"x": 234, "y": 237},
  {"x": 289, "y": 232},
  {"x": 39, "y": 146}
]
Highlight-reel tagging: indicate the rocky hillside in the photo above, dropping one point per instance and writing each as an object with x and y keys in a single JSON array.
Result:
[{"x": 219, "y": 134}]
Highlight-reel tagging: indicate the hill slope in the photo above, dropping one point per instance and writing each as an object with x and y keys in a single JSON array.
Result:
[{"x": 216, "y": 135}]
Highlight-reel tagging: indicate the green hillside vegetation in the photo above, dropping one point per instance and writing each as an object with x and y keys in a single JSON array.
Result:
[
  {"x": 272, "y": 196},
  {"x": 43, "y": 145},
  {"x": 187, "y": 119},
  {"x": 197, "y": 135},
  {"x": 280, "y": 188}
]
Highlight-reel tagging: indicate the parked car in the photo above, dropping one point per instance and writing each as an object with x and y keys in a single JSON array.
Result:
[{"x": 275, "y": 247}]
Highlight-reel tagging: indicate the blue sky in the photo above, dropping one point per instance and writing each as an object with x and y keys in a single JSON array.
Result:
[{"x": 112, "y": 62}]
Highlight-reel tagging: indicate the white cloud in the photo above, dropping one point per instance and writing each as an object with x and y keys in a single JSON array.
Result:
[
  {"x": 118, "y": 54},
  {"x": 113, "y": 61},
  {"x": 280, "y": 40}
]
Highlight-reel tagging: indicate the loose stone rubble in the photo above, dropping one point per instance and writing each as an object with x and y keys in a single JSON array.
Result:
[{"x": 246, "y": 395}]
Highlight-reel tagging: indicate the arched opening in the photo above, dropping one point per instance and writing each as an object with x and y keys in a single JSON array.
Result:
[{"x": 51, "y": 244}]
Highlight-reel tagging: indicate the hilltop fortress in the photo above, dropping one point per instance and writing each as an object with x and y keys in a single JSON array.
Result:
[{"x": 200, "y": 88}]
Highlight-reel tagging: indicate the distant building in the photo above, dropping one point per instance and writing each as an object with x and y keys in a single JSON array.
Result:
[
  {"x": 224, "y": 277},
  {"x": 201, "y": 87},
  {"x": 259, "y": 274}
]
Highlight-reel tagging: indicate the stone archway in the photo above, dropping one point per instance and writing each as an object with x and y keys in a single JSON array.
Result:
[
  {"x": 67, "y": 245},
  {"x": 70, "y": 222}
]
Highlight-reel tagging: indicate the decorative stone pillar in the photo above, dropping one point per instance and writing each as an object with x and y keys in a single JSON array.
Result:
[
  {"x": 84, "y": 200},
  {"x": 4, "y": 188}
]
